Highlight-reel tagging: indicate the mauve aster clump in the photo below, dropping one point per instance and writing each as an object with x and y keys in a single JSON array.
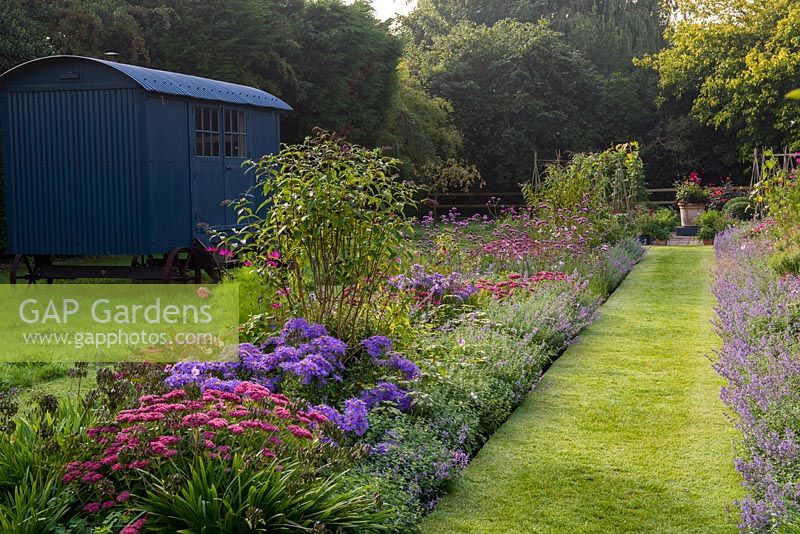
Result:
[
  {"x": 301, "y": 350},
  {"x": 429, "y": 288},
  {"x": 307, "y": 353},
  {"x": 758, "y": 318}
]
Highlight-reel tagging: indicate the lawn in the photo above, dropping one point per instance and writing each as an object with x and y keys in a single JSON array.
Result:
[{"x": 625, "y": 432}]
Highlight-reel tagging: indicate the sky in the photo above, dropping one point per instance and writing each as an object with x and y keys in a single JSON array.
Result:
[{"x": 385, "y": 9}]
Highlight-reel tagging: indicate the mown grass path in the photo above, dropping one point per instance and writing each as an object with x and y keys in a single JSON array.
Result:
[{"x": 625, "y": 432}]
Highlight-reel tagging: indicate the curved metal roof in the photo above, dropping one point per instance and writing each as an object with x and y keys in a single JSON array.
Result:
[{"x": 177, "y": 84}]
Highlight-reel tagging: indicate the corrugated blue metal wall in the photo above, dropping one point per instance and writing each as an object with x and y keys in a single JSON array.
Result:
[
  {"x": 266, "y": 133},
  {"x": 166, "y": 187},
  {"x": 73, "y": 172}
]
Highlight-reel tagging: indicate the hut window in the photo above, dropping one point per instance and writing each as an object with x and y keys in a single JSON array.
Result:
[
  {"x": 235, "y": 133},
  {"x": 206, "y": 131}
]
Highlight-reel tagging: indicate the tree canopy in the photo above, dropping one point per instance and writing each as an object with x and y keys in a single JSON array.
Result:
[
  {"x": 460, "y": 84},
  {"x": 734, "y": 61},
  {"x": 515, "y": 88}
]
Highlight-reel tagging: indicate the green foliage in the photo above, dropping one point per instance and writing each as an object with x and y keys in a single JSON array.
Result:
[
  {"x": 613, "y": 180},
  {"x": 515, "y": 88},
  {"x": 416, "y": 449},
  {"x": 786, "y": 261},
  {"x": 778, "y": 191},
  {"x": 22, "y": 35},
  {"x": 739, "y": 208},
  {"x": 330, "y": 233},
  {"x": 657, "y": 225},
  {"x": 609, "y": 34},
  {"x": 218, "y": 497},
  {"x": 420, "y": 132},
  {"x": 345, "y": 66},
  {"x": 734, "y": 61},
  {"x": 711, "y": 223},
  {"x": 38, "y": 504}
]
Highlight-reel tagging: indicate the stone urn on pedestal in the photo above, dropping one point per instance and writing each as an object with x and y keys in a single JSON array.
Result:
[
  {"x": 692, "y": 200},
  {"x": 690, "y": 212}
]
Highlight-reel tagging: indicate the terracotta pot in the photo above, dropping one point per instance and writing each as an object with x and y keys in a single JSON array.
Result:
[
  {"x": 690, "y": 213},
  {"x": 661, "y": 242},
  {"x": 708, "y": 241}
]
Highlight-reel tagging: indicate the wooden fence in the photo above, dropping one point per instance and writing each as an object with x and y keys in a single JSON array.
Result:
[{"x": 442, "y": 203}]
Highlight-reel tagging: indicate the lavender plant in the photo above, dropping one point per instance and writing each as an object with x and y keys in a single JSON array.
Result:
[{"x": 757, "y": 317}]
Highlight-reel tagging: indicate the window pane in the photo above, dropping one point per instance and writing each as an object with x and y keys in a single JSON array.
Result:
[
  {"x": 198, "y": 144},
  {"x": 215, "y": 145},
  {"x": 242, "y": 122},
  {"x": 214, "y": 119},
  {"x": 227, "y": 121},
  {"x": 198, "y": 118}
]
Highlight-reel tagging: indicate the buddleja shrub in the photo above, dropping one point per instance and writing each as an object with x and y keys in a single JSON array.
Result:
[{"x": 330, "y": 232}]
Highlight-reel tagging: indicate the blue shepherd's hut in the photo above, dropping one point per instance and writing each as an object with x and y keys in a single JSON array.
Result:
[{"x": 109, "y": 158}]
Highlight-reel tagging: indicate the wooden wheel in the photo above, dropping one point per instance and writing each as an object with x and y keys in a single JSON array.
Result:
[
  {"x": 22, "y": 268},
  {"x": 182, "y": 266}
]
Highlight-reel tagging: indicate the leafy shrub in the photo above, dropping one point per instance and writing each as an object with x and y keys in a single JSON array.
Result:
[
  {"x": 720, "y": 196},
  {"x": 656, "y": 225},
  {"x": 785, "y": 261},
  {"x": 739, "y": 208},
  {"x": 328, "y": 237},
  {"x": 712, "y": 222},
  {"x": 613, "y": 181},
  {"x": 415, "y": 456}
]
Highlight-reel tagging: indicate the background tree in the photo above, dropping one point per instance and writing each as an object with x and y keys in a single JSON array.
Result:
[
  {"x": 421, "y": 133},
  {"x": 733, "y": 62},
  {"x": 516, "y": 88}
]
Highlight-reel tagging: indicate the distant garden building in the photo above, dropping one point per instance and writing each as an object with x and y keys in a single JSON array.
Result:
[{"x": 109, "y": 158}]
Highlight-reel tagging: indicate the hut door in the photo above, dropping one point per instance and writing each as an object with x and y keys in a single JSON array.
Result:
[
  {"x": 208, "y": 185},
  {"x": 237, "y": 181}
]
